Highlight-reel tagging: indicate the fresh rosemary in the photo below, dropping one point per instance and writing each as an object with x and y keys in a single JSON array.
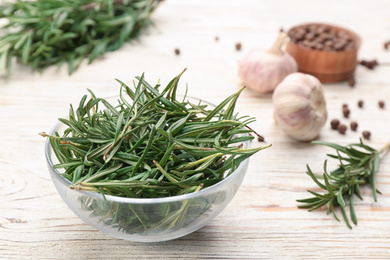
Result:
[
  {"x": 41, "y": 33},
  {"x": 150, "y": 144},
  {"x": 358, "y": 165}
]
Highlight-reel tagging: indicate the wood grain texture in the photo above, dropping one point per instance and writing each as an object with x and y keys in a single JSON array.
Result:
[{"x": 262, "y": 221}]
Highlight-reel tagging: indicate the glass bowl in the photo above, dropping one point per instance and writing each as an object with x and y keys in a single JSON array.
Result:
[{"x": 146, "y": 219}]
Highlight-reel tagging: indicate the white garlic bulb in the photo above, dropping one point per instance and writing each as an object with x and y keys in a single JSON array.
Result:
[
  {"x": 299, "y": 106},
  {"x": 262, "y": 70}
]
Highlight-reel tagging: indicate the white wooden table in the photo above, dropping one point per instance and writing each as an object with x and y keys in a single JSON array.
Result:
[{"x": 262, "y": 221}]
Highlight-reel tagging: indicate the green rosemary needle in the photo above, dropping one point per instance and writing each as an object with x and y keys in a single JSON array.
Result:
[
  {"x": 358, "y": 165},
  {"x": 41, "y": 33},
  {"x": 150, "y": 144}
]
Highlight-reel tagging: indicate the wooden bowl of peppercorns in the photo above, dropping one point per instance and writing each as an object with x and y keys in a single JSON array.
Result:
[{"x": 325, "y": 51}]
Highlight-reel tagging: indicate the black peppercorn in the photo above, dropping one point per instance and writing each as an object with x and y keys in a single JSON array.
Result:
[
  {"x": 366, "y": 135},
  {"x": 353, "y": 125},
  {"x": 381, "y": 104},
  {"x": 321, "y": 38},
  {"x": 369, "y": 64},
  {"x": 351, "y": 82},
  {"x": 360, "y": 103},
  {"x": 177, "y": 51},
  {"x": 342, "y": 129},
  {"x": 334, "y": 124},
  {"x": 386, "y": 45},
  {"x": 346, "y": 112}
]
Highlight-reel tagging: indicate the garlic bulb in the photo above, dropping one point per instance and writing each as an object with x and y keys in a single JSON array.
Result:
[
  {"x": 299, "y": 106},
  {"x": 262, "y": 70}
]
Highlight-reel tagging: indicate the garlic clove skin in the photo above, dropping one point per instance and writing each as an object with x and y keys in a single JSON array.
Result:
[
  {"x": 300, "y": 106},
  {"x": 262, "y": 70}
]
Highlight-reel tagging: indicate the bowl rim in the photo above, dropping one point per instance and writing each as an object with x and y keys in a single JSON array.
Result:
[{"x": 49, "y": 152}]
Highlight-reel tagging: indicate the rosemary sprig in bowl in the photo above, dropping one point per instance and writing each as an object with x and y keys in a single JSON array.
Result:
[
  {"x": 164, "y": 165},
  {"x": 42, "y": 33},
  {"x": 358, "y": 165}
]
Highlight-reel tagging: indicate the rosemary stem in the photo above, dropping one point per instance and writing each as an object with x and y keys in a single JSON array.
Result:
[
  {"x": 43, "y": 134},
  {"x": 385, "y": 148},
  {"x": 260, "y": 137}
]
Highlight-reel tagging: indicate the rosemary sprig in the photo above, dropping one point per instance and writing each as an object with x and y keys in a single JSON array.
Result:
[
  {"x": 150, "y": 144},
  {"x": 358, "y": 165},
  {"x": 41, "y": 33}
]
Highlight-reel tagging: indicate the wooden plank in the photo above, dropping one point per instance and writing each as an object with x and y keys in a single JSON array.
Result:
[{"x": 262, "y": 221}]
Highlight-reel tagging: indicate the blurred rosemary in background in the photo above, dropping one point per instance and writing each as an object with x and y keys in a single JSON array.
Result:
[{"x": 42, "y": 33}]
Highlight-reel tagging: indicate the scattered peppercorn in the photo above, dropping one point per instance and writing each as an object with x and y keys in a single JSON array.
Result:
[
  {"x": 381, "y": 104},
  {"x": 351, "y": 82},
  {"x": 354, "y": 125},
  {"x": 386, "y": 45},
  {"x": 238, "y": 46},
  {"x": 360, "y": 103},
  {"x": 216, "y": 38},
  {"x": 342, "y": 128},
  {"x": 345, "y": 106},
  {"x": 346, "y": 112},
  {"x": 369, "y": 64},
  {"x": 177, "y": 51},
  {"x": 366, "y": 135},
  {"x": 334, "y": 124}
]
